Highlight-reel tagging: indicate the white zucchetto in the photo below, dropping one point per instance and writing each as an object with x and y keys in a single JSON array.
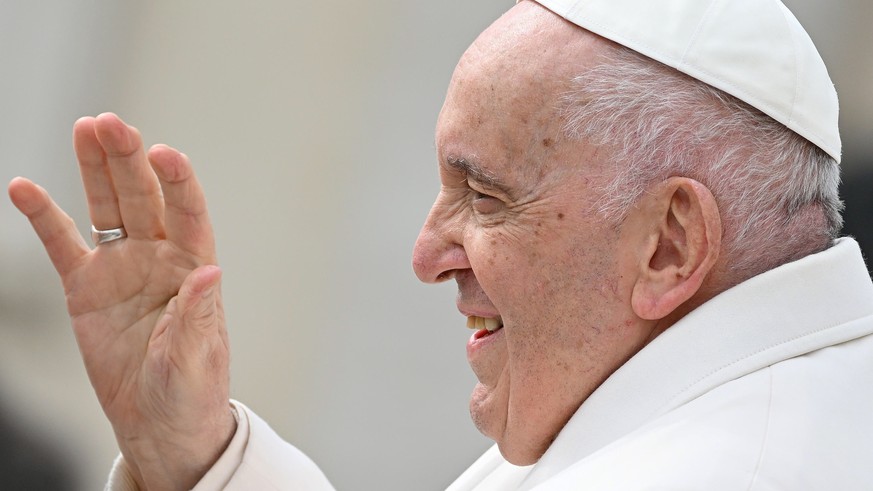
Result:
[{"x": 755, "y": 50}]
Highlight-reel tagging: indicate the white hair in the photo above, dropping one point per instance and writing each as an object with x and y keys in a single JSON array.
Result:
[{"x": 777, "y": 193}]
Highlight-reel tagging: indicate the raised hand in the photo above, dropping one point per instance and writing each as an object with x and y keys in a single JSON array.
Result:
[{"x": 146, "y": 309}]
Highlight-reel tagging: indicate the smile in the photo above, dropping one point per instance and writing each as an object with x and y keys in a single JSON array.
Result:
[{"x": 486, "y": 325}]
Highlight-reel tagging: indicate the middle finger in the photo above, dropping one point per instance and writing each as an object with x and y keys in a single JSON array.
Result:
[
  {"x": 136, "y": 185},
  {"x": 102, "y": 203}
]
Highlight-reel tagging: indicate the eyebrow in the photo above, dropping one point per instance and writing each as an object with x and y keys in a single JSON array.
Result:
[{"x": 473, "y": 171}]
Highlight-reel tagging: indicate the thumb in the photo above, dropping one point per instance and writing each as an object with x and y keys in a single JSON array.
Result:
[
  {"x": 199, "y": 301},
  {"x": 192, "y": 331}
]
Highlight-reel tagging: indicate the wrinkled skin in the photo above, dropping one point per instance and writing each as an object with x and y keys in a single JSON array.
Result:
[{"x": 528, "y": 249}]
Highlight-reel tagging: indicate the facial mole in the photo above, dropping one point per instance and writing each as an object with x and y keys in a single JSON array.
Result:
[
  {"x": 560, "y": 216},
  {"x": 547, "y": 142}
]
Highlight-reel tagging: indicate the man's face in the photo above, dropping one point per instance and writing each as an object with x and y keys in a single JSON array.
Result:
[{"x": 512, "y": 225}]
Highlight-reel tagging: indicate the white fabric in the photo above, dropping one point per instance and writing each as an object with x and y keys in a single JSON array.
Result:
[
  {"x": 270, "y": 464},
  {"x": 754, "y": 50},
  {"x": 219, "y": 476},
  {"x": 255, "y": 458},
  {"x": 120, "y": 478},
  {"x": 768, "y": 386}
]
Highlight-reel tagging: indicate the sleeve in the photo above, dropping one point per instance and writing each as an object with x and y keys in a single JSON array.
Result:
[
  {"x": 270, "y": 463},
  {"x": 255, "y": 458},
  {"x": 120, "y": 478}
]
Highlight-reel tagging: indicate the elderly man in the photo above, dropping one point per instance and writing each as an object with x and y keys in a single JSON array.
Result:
[{"x": 639, "y": 207}]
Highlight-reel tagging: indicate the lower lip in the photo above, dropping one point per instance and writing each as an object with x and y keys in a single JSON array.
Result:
[{"x": 481, "y": 339}]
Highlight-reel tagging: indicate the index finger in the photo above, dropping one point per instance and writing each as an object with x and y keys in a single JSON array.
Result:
[{"x": 56, "y": 230}]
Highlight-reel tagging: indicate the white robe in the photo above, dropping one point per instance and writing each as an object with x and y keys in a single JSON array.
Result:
[{"x": 768, "y": 386}]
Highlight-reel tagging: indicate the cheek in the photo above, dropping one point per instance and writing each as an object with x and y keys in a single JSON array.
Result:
[
  {"x": 550, "y": 286},
  {"x": 545, "y": 264},
  {"x": 506, "y": 252}
]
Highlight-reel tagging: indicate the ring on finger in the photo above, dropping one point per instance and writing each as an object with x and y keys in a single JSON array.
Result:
[{"x": 108, "y": 235}]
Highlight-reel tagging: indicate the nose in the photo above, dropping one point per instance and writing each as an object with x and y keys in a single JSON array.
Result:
[{"x": 439, "y": 252}]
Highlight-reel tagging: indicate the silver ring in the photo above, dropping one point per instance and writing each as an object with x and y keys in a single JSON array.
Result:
[{"x": 104, "y": 236}]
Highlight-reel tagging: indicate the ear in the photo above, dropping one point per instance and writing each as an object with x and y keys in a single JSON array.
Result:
[{"x": 677, "y": 233}]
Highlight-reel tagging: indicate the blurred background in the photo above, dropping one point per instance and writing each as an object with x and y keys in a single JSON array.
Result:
[{"x": 311, "y": 128}]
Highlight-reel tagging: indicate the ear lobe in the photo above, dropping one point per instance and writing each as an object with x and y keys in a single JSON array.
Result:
[{"x": 680, "y": 245}]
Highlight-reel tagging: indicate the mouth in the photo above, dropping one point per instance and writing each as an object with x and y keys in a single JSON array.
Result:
[{"x": 484, "y": 326}]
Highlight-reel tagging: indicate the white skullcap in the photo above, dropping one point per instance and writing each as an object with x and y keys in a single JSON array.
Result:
[{"x": 755, "y": 50}]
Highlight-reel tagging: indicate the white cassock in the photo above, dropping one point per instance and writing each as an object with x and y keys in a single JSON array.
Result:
[{"x": 768, "y": 386}]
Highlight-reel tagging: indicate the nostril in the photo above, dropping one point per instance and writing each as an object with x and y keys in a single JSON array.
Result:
[{"x": 436, "y": 258}]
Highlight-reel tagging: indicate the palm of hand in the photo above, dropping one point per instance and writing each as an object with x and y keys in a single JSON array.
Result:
[
  {"x": 146, "y": 310},
  {"x": 118, "y": 300}
]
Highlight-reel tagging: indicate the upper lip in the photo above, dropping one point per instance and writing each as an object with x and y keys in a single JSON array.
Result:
[
  {"x": 472, "y": 301},
  {"x": 470, "y": 311}
]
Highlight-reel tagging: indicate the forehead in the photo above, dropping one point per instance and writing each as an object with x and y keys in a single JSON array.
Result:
[{"x": 503, "y": 103}]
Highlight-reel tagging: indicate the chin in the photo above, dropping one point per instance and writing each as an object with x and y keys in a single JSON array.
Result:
[{"x": 518, "y": 445}]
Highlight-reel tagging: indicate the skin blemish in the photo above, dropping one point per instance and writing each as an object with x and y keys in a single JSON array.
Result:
[
  {"x": 548, "y": 142},
  {"x": 560, "y": 216}
]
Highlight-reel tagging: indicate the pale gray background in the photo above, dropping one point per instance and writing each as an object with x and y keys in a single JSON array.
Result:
[{"x": 311, "y": 127}]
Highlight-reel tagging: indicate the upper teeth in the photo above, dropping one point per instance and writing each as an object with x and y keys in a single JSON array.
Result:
[{"x": 490, "y": 323}]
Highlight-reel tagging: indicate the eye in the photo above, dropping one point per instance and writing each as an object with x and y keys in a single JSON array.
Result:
[{"x": 484, "y": 203}]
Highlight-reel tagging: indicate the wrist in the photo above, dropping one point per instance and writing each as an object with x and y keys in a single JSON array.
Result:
[{"x": 173, "y": 459}]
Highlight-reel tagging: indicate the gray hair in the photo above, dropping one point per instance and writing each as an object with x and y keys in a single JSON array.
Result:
[{"x": 777, "y": 193}]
